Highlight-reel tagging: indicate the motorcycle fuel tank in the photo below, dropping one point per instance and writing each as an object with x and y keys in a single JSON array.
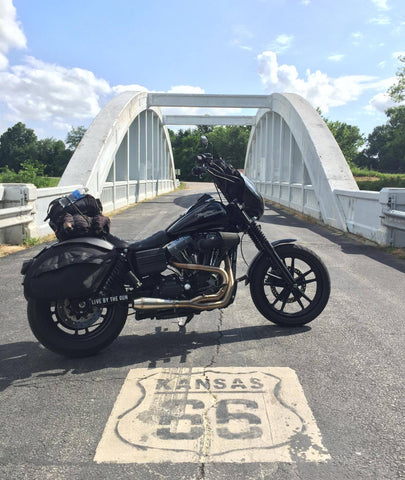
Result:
[{"x": 201, "y": 216}]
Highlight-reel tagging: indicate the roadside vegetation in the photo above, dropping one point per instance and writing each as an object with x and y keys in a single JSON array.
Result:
[{"x": 25, "y": 159}]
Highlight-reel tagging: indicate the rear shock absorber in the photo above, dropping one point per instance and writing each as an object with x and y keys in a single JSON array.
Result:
[{"x": 117, "y": 275}]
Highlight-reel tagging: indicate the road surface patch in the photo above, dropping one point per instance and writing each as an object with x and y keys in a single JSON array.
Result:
[{"x": 228, "y": 414}]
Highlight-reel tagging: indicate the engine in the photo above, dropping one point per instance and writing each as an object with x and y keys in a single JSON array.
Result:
[{"x": 166, "y": 279}]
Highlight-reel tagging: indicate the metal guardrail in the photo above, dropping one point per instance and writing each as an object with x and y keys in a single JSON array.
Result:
[
  {"x": 17, "y": 208},
  {"x": 23, "y": 207}
]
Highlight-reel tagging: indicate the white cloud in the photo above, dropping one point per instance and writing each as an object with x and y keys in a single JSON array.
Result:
[
  {"x": 11, "y": 34},
  {"x": 382, "y": 20},
  {"x": 336, "y": 58},
  {"x": 36, "y": 90},
  {"x": 282, "y": 43},
  {"x": 186, "y": 89},
  {"x": 381, "y": 4},
  {"x": 132, "y": 88},
  {"x": 305, "y": 2},
  {"x": 242, "y": 37},
  {"x": 317, "y": 87},
  {"x": 379, "y": 103},
  {"x": 357, "y": 38},
  {"x": 196, "y": 110}
]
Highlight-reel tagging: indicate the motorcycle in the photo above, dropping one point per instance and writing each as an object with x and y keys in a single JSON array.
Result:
[{"x": 80, "y": 290}]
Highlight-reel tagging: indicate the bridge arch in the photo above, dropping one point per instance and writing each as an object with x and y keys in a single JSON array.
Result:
[
  {"x": 295, "y": 161},
  {"x": 125, "y": 156}
]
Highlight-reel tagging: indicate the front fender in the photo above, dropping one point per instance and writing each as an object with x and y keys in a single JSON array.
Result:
[{"x": 261, "y": 255}]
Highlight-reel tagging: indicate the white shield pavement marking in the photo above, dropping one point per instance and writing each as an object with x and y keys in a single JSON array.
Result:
[{"x": 228, "y": 414}]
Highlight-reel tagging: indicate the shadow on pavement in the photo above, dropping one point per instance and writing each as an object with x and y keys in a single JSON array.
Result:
[{"x": 21, "y": 360}]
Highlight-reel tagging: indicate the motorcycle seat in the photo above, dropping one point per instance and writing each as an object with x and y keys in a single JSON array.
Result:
[{"x": 156, "y": 240}]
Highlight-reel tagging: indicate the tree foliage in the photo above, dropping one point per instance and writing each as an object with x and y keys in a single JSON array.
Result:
[
  {"x": 74, "y": 136},
  {"x": 228, "y": 142},
  {"x": 385, "y": 149},
  {"x": 17, "y": 145},
  {"x": 397, "y": 91},
  {"x": 20, "y": 147},
  {"x": 348, "y": 138}
]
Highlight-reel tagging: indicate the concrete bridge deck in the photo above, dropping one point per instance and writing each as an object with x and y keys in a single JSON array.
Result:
[{"x": 349, "y": 363}]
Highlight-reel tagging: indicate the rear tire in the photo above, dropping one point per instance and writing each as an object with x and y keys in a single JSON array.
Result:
[
  {"x": 280, "y": 303},
  {"x": 59, "y": 330}
]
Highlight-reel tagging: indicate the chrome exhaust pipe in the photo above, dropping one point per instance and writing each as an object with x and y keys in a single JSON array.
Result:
[{"x": 201, "y": 302}]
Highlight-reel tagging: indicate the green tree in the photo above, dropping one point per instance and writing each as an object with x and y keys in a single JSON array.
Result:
[
  {"x": 74, "y": 136},
  {"x": 385, "y": 149},
  {"x": 230, "y": 143},
  {"x": 54, "y": 155},
  {"x": 397, "y": 91},
  {"x": 30, "y": 172},
  {"x": 185, "y": 145},
  {"x": 348, "y": 137},
  {"x": 17, "y": 145}
]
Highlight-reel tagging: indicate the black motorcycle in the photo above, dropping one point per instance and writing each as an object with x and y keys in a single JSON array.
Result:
[{"x": 79, "y": 290}]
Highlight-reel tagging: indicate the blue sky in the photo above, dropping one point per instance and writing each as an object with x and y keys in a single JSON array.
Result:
[{"x": 61, "y": 62}]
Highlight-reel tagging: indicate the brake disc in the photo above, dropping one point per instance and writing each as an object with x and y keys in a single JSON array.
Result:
[
  {"x": 277, "y": 294},
  {"x": 82, "y": 315}
]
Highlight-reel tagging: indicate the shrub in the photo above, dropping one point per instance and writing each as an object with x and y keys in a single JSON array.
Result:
[{"x": 29, "y": 173}]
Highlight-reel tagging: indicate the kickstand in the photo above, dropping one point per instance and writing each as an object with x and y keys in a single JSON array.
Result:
[{"x": 182, "y": 322}]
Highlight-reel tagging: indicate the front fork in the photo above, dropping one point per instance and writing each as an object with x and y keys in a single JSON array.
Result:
[{"x": 263, "y": 245}]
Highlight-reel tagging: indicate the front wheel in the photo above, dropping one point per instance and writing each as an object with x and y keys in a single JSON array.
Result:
[
  {"x": 60, "y": 328},
  {"x": 290, "y": 305}
]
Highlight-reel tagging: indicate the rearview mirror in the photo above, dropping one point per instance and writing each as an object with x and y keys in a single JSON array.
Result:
[{"x": 204, "y": 141}]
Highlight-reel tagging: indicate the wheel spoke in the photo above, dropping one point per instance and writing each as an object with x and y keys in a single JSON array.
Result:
[
  {"x": 292, "y": 265},
  {"x": 298, "y": 299},
  {"x": 282, "y": 297},
  {"x": 303, "y": 275},
  {"x": 306, "y": 297}
]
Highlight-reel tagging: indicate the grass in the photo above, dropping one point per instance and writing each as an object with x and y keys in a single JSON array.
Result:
[
  {"x": 28, "y": 243},
  {"x": 373, "y": 180}
]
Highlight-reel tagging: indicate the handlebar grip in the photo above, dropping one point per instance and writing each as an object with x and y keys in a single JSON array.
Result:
[
  {"x": 200, "y": 159},
  {"x": 197, "y": 171},
  {"x": 203, "y": 158}
]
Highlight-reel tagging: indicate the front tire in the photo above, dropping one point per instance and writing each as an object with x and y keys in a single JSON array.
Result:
[
  {"x": 56, "y": 326},
  {"x": 282, "y": 304}
]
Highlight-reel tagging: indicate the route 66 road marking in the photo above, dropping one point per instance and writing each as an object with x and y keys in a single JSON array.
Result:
[{"x": 229, "y": 414}]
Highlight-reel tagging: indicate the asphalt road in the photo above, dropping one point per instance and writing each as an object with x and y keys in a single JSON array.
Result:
[{"x": 349, "y": 364}]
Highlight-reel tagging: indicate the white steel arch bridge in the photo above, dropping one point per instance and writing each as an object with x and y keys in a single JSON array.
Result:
[
  {"x": 292, "y": 157},
  {"x": 125, "y": 156}
]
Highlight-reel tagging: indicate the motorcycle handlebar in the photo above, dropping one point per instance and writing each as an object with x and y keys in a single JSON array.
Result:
[
  {"x": 197, "y": 171},
  {"x": 203, "y": 159}
]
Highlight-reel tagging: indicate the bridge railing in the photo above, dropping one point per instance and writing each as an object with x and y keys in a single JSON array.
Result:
[{"x": 23, "y": 207}]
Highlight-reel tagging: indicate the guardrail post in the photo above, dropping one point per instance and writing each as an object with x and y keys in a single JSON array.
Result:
[
  {"x": 17, "y": 208},
  {"x": 392, "y": 202}
]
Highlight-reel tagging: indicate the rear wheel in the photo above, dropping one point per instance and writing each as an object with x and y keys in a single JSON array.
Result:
[
  {"x": 286, "y": 304},
  {"x": 75, "y": 328}
]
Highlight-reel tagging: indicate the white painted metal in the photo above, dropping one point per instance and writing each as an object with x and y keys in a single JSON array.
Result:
[
  {"x": 208, "y": 120},
  {"x": 295, "y": 161},
  {"x": 208, "y": 101},
  {"x": 118, "y": 158},
  {"x": 17, "y": 208}
]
